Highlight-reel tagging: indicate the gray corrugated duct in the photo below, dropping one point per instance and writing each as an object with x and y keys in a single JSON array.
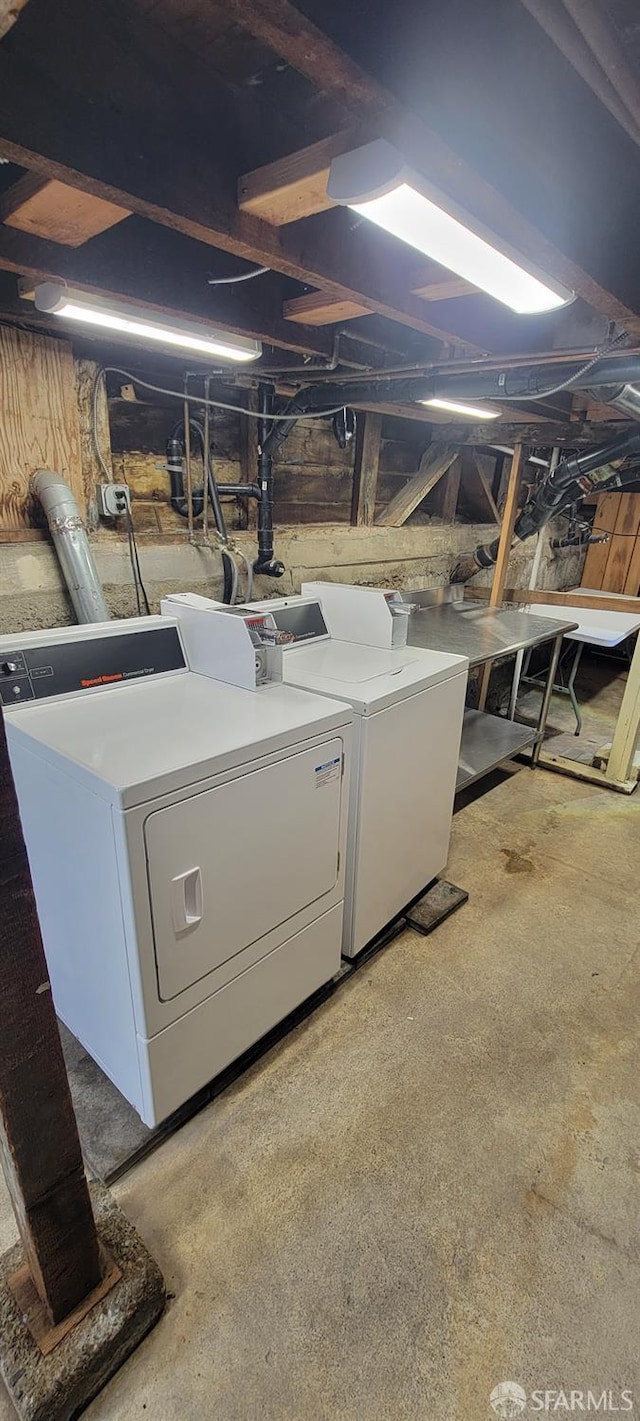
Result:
[{"x": 72, "y": 545}]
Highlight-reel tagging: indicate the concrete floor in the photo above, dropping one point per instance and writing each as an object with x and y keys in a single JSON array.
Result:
[{"x": 433, "y": 1184}]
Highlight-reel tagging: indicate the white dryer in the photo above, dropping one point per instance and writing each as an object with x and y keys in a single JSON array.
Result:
[
  {"x": 187, "y": 840},
  {"x": 408, "y": 705}
]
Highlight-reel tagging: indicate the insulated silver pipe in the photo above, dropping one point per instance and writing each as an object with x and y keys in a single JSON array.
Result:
[{"x": 72, "y": 546}]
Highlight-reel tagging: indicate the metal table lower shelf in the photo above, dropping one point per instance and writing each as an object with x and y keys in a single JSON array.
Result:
[
  {"x": 487, "y": 741},
  {"x": 441, "y": 620}
]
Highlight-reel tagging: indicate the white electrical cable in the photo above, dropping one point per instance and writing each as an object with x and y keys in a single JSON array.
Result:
[
  {"x": 219, "y": 404},
  {"x": 233, "y": 280}
]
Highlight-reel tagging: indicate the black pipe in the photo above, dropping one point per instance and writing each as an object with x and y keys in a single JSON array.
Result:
[
  {"x": 265, "y": 564},
  {"x": 568, "y": 483}
]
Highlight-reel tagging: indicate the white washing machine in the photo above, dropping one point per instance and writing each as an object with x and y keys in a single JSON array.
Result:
[
  {"x": 408, "y": 705},
  {"x": 187, "y": 840}
]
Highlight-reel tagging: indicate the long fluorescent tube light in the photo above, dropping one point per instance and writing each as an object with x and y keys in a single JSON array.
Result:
[
  {"x": 470, "y": 411},
  {"x": 137, "y": 321},
  {"x": 376, "y": 182}
]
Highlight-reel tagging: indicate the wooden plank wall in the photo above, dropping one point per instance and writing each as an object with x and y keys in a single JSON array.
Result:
[
  {"x": 614, "y": 566},
  {"x": 39, "y": 427}
]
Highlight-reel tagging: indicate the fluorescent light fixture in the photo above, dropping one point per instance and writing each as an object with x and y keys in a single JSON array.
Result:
[
  {"x": 375, "y": 181},
  {"x": 469, "y": 411},
  {"x": 74, "y": 305}
]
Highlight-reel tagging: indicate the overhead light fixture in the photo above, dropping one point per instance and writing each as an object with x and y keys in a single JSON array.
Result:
[
  {"x": 375, "y": 181},
  {"x": 60, "y": 300},
  {"x": 459, "y": 407}
]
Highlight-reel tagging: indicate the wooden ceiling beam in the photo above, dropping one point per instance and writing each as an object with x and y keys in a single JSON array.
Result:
[
  {"x": 557, "y": 23},
  {"x": 279, "y": 24},
  {"x": 166, "y": 271},
  {"x": 132, "y": 162}
]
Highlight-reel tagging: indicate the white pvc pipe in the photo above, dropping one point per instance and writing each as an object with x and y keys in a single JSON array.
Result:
[{"x": 72, "y": 546}]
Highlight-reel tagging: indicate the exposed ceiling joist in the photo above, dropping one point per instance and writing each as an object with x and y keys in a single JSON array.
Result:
[
  {"x": 558, "y": 24},
  {"x": 287, "y": 31},
  {"x": 143, "y": 263},
  {"x": 126, "y": 161},
  {"x": 59, "y": 213},
  {"x": 605, "y": 44}
]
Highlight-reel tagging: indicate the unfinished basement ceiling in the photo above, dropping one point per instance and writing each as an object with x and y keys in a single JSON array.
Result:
[{"x": 159, "y": 107}]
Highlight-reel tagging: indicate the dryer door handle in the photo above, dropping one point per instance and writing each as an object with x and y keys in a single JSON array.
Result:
[{"x": 186, "y": 900}]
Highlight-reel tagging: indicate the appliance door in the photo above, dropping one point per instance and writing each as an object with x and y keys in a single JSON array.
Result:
[
  {"x": 227, "y": 865},
  {"x": 408, "y": 766}
]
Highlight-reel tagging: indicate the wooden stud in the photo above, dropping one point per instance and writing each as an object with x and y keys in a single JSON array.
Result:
[
  {"x": 39, "y": 1143},
  {"x": 485, "y": 484},
  {"x": 434, "y": 463},
  {"x": 57, "y": 212},
  {"x": 496, "y": 595},
  {"x": 318, "y": 308},
  {"x": 506, "y": 529},
  {"x": 449, "y": 491},
  {"x": 365, "y": 474}
]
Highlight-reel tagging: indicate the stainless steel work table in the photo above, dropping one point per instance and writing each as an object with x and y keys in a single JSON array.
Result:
[{"x": 443, "y": 621}]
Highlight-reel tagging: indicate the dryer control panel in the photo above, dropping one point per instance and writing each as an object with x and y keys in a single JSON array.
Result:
[{"x": 38, "y": 671}]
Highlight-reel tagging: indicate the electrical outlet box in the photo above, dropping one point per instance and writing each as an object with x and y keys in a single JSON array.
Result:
[{"x": 113, "y": 500}]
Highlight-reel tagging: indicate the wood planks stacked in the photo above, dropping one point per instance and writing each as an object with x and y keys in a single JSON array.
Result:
[{"x": 614, "y": 566}]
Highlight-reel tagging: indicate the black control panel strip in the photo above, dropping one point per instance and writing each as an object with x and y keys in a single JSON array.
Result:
[{"x": 33, "y": 673}]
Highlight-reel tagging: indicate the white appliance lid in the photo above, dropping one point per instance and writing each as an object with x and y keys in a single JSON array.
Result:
[
  {"x": 368, "y": 677},
  {"x": 132, "y": 744}
]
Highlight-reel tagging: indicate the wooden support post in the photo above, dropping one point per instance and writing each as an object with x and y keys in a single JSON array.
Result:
[
  {"x": 449, "y": 491},
  {"x": 434, "y": 463},
  {"x": 498, "y": 585},
  {"x": 365, "y": 473},
  {"x": 627, "y": 731},
  {"x": 39, "y": 1144}
]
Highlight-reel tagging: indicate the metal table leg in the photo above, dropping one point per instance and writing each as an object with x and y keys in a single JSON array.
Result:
[
  {"x": 571, "y": 686},
  {"x": 546, "y": 699}
]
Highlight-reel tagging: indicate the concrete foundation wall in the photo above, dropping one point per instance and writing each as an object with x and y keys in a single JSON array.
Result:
[{"x": 32, "y": 592}]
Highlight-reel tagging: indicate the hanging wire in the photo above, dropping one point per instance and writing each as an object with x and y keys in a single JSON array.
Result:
[
  {"x": 215, "y": 404},
  {"x": 231, "y": 280},
  {"x": 135, "y": 564}
]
